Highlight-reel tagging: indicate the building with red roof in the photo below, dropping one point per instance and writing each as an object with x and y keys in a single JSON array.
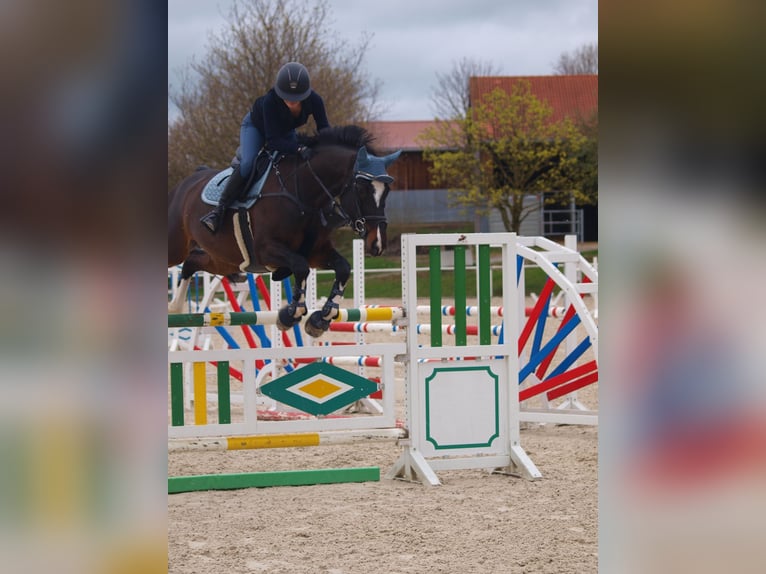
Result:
[
  {"x": 414, "y": 199},
  {"x": 574, "y": 97}
]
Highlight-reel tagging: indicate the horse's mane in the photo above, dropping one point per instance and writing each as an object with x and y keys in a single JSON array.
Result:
[{"x": 350, "y": 136}]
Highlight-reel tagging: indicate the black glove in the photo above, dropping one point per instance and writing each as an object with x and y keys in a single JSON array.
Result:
[{"x": 305, "y": 152}]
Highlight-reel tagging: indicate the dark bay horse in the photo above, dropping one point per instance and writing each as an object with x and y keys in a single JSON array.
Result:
[{"x": 344, "y": 183}]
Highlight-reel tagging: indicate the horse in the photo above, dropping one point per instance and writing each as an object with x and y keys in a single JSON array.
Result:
[{"x": 341, "y": 181}]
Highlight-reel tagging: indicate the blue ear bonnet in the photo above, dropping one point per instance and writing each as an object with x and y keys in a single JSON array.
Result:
[{"x": 371, "y": 167}]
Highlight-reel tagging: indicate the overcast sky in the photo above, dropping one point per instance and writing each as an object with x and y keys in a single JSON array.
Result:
[{"x": 412, "y": 40}]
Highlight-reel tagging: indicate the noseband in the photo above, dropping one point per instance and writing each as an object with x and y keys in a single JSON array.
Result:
[{"x": 360, "y": 223}]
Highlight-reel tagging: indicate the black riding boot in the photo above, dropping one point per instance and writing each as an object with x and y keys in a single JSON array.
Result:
[{"x": 230, "y": 194}]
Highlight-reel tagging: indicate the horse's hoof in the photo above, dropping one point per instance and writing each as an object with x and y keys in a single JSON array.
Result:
[
  {"x": 285, "y": 319},
  {"x": 237, "y": 277},
  {"x": 316, "y": 326}
]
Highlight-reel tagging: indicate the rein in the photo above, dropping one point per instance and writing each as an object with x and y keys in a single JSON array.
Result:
[
  {"x": 334, "y": 207},
  {"x": 358, "y": 224},
  {"x": 283, "y": 192}
]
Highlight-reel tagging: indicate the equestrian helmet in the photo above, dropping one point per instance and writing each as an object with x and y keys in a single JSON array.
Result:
[{"x": 293, "y": 82}]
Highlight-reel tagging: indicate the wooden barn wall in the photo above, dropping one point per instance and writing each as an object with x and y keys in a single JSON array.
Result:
[{"x": 410, "y": 171}]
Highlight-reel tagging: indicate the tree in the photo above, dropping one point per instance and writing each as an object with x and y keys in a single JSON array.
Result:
[
  {"x": 242, "y": 63},
  {"x": 450, "y": 98},
  {"x": 586, "y": 169},
  {"x": 583, "y": 60},
  {"x": 504, "y": 150}
]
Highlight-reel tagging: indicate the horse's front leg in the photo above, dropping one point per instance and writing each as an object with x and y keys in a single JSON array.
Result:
[
  {"x": 319, "y": 321},
  {"x": 294, "y": 311}
]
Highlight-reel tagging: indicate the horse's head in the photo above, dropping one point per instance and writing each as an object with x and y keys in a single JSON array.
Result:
[
  {"x": 371, "y": 187},
  {"x": 361, "y": 182}
]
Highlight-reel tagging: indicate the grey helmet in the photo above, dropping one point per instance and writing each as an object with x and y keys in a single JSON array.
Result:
[{"x": 293, "y": 82}]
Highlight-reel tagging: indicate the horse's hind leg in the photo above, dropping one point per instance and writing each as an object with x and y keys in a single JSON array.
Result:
[
  {"x": 192, "y": 264},
  {"x": 175, "y": 306},
  {"x": 319, "y": 321}
]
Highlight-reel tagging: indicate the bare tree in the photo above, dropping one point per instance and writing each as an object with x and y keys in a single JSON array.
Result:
[
  {"x": 583, "y": 60},
  {"x": 450, "y": 98},
  {"x": 242, "y": 63}
]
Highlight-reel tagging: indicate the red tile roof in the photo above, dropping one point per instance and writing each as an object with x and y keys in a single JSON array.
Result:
[
  {"x": 398, "y": 135},
  {"x": 569, "y": 96}
]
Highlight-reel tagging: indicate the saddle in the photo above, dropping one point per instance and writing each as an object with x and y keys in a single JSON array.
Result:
[{"x": 214, "y": 188}]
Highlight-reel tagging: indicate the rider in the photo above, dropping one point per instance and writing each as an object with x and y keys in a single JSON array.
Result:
[{"x": 272, "y": 121}]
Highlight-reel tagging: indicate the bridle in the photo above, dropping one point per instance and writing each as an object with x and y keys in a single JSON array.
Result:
[{"x": 334, "y": 209}]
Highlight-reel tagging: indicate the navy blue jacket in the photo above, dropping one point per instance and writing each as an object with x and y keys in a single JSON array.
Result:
[{"x": 277, "y": 124}]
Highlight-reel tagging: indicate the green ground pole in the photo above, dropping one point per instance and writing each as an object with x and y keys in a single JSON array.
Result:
[{"x": 178, "y": 484}]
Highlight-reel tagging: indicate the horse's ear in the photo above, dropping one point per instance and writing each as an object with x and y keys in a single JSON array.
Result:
[
  {"x": 390, "y": 158},
  {"x": 361, "y": 156}
]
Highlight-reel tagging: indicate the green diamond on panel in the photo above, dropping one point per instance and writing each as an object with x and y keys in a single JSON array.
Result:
[{"x": 319, "y": 388}]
